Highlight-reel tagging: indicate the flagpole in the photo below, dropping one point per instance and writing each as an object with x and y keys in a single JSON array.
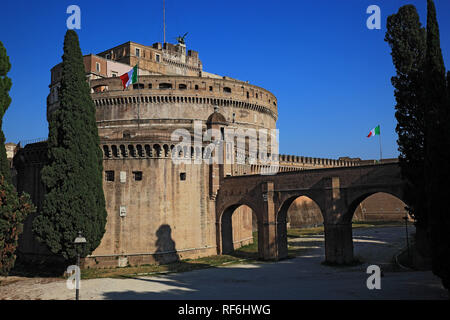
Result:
[
  {"x": 164, "y": 21},
  {"x": 139, "y": 93},
  {"x": 379, "y": 139}
]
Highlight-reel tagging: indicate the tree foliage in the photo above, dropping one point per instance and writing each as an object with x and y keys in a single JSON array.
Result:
[
  {"x": 422, "y": 93},
  {"x": 5, "y": 101},
  {"x": 13, "y": 211},
  {"x": 437, "y": 166},
  {"x": 407, "y": 39},
  {"x": 74, "y": 199}
]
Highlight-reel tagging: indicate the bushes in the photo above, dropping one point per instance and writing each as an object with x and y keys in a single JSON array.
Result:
[{"x": 13, "y": 211}]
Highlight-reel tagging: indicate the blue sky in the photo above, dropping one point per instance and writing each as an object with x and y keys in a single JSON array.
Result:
[{"x": 330, "y": 73}]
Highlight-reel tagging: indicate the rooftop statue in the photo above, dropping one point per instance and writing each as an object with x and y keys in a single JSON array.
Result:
[{"x": 180, "y": 39}]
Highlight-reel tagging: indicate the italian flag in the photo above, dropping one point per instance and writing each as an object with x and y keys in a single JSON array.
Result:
[
  {"x": 374, "y": 132},
  {"x": 129, "y": 77}
]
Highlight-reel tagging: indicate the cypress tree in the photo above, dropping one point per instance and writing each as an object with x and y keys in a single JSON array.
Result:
[
  {"x": 5, "y": 101},
  {"x": 406, "y": 37},
  {"x": 437, "y": 150},
  {"x": 74, "y": 199}
]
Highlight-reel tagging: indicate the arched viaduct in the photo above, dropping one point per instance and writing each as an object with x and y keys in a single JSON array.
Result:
[{"x": 337, "y": 191}]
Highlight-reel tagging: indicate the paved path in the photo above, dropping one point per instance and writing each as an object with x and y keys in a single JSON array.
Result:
[{"x": 300, "y": 278}]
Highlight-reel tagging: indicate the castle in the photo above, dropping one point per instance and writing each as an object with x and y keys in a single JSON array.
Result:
[{"x": 160, "y": 211}]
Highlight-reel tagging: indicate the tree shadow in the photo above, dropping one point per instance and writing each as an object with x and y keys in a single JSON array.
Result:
[
  {"x": 166, "y": 253},
  {"x": 197, "y": 285},
  {"x": 165, "y": 246},
  {"x": 40, "y": 266}
]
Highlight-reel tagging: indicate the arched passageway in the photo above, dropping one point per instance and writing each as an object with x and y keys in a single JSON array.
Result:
[
  {"x": 339, "y": 240},
  {"x": 296, "y": 212},
  {"x": 237, "y": 225},
  {"x": 304, "y": 212},
  {"x": 375, "y": 206},
  {"x": 380, "y": 206}
]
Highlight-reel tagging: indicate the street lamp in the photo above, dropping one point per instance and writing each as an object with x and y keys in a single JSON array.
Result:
[
  {"x": 407, "y": 237},
  {"x": 79, "y": 241}
]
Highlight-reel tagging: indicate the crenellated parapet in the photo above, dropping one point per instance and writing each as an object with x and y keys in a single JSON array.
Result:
[{"x": 308, "y": 162}]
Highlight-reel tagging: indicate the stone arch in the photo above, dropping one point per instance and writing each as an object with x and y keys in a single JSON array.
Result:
[
  {"x": 131, "y": 150},
  {"x": 358, "y": 198},
  {"x": 114, "y": 151},
  {"x": 140, "y": 151},
  {"x": 198, "y": 154},
  {"x": 157, "y": 150},
  {"x": 282, "y": 215},
  {"x": 123, "y": 151},
  {"x": 148, "y": 150},
  {"x": 225, "y": 228},
  {"x": 166, "y": 150},
  {"x": 106, "y": 151}
]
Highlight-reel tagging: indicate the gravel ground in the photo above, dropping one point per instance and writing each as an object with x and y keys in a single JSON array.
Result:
[{"x": 301, "y": 278}]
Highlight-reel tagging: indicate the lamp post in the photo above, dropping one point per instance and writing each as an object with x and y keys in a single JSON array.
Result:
[
  {"x": 79, "y": 241},
  {"x": 407, "y": 237}
]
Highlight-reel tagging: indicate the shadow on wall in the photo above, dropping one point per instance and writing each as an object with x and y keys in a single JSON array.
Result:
[{"x": 166, "y": 251}]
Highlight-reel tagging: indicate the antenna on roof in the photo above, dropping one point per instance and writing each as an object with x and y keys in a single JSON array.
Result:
[{"x": 164, "y": 21}]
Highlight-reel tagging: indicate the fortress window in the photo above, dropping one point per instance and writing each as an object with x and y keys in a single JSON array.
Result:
[
  {"x": 109, "y": 175},
  {"x": 138, "y": 52},
  {"x": 97, "y": 66},
  {"x": 126, "y": 135},
  {"x": 196, "y": 87},
  {"x": 210, "y": 88},
  {"x": 138, "y": 86},
  {"x": 149, "y": 85},
  {"x": 256, "y": 96},
  {"x": 137, "y": 175},
  {"x": 227, "y": 90},
  {"x": 182, "y": 86},
  {"x": 165, "y": 86},
  {"x": 248, "y": 95},
  {"x": 183, "y": 176},
  {"x": 114, "y": 73},
  {"x": 107, "y": 56},
  {"x": 158, "y": 58},
  {"x": 100, "y": 88}
]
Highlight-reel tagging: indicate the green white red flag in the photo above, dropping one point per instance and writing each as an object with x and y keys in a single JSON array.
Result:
[
  {"x": 130, "y": 77},
  {"x": 374, "y": 132}
]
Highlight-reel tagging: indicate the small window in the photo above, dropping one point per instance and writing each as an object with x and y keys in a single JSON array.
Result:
[
  {"x": 100, "y": 88},
  {"x": 210, "y": 88},
  {"x": 126, "y": 135},
  {"x": 97, "y": 66},
  {"x": 114, "y": 73},
  {"x": 158, "y": 58},
  {"x": 182, "y": 86},
  {"x": 196, "y": 87},
  {"x": 256, "y": 96},
  {"x": 138, "y": 86},
  {"x": 227, "y": 90},
  {"x": 107, "y": 56},
  {"x": 183, "y": 176},
  {"x": 165, "y": 86},
  {"x": 137, "y": 175},
  {"x": 248, "y": 95},
  {"x": 138, "y": 52},
  {"x": 149, "y": 85},
  {"x": 109, "y": 175}
]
